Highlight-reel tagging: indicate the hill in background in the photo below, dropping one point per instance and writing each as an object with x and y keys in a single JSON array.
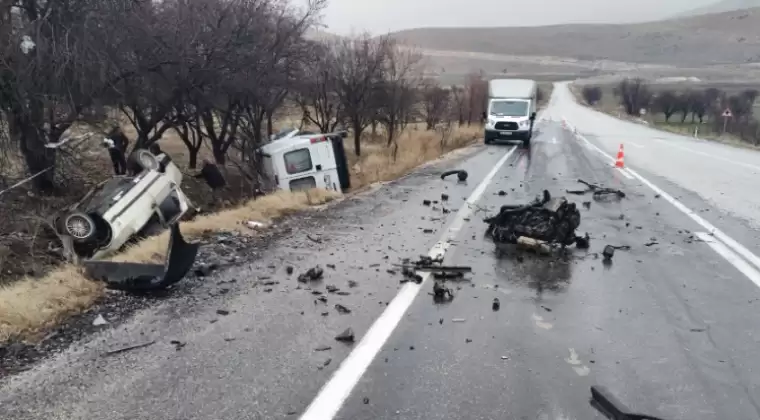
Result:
[
  {"x": 729, "y": 37},
  {"x": 722, "y": 6}
]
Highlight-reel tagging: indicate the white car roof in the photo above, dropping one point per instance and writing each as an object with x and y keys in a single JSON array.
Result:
[{"x": 288, "y": 143}]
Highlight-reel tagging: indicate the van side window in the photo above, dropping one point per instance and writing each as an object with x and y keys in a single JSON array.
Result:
[
  {"x": 301, "y": 184},
  {"x": 297, "y": 161}
]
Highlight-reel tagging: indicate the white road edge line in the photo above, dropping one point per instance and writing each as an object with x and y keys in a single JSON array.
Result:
[
  {"x": 334, "y": 393},
  {"x": 730, "y": 256},
  {"x": 625, "y": 173},
  {"x": 717, "y": 233}
]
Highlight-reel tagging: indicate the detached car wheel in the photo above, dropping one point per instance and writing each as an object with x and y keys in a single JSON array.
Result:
[{"x": 79, "y": 226}]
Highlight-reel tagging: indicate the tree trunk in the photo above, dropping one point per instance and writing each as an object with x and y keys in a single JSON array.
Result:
[
  {"x": 270, "y": 127},
  {"x": 357, "y": 138},
  {"x": 192, "y": 158},
  {"x": 37, "y": 157}
]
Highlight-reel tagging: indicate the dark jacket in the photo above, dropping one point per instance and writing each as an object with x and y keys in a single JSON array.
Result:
[{"x": 213, "y": 176}]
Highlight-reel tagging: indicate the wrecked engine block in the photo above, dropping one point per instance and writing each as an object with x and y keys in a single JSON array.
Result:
[{"x": 548, "y": 219}]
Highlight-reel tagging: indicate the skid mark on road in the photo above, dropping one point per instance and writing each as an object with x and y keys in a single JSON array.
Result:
[{"x": 333, "y": 394}]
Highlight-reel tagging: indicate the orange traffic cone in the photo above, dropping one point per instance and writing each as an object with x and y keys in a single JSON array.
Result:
[{"x": 619, "y": 161}]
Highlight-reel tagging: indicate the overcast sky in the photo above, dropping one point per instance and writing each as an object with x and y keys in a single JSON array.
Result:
[{"x": 379, "y": 16}]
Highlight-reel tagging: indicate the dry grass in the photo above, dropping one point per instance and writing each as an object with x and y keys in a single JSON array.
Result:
[
  {"x": 33, "y": 304},
  {"x": 415, "y": 147}
]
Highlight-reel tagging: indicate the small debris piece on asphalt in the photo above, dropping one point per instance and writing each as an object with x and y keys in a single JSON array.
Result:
[
  {"x": 502, "y": 193},
  {"x": 461, "y": 174},
  {"x": 441, "y": 293},
  {"x": 346, "y": 336},
  {"x": 426, "y": 202},
  {"x": 312, "y": 274},
  {"x": 314, "y": 239},
  {"x": 222, "y": 312},
  {"x": 327, "y": 362},
  {"x": 427, "y": 230},
  {"x": 650, "y": 243},
  {"x": 496, "y": 304},
  {"x": 546, "y": 308},
  {"x": 448, "y": 276},
  {"x": 331, "y": 288},
  {"x": 583, "y": 242},
  {"x": 99, "y": 320},
  {"x": 365, "y": 400},
  {"x": 342, "y": 309},
  {"x": 129, "y": 348},
  {"x": 354, "y": 283},
  {"x": 468, "y": 340},
  {"x": 289, "y": 270},
  {"x": 608, "y": 252},
  {"x": 587, "y": 205},
  {"x": 323, "y": 348},
  {"x": 331, "y": 266},
  {"x": 177, "y": 344},
  {"x": 444, "y": 197},
  {"x": 322, "y": 299}
]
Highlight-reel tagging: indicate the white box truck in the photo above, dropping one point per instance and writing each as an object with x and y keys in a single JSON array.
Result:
[{"x": 511, "y": 110}]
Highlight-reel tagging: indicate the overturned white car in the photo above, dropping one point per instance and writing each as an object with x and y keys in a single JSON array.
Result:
[{"x": 124, "y": 207}]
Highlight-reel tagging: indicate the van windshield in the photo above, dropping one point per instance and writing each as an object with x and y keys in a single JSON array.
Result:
[{"x": 509, "y": 108}]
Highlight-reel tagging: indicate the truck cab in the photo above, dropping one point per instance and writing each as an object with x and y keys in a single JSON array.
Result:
[
  {"x": 511, "y": 110},
  {"x": 296, "y": 160}
]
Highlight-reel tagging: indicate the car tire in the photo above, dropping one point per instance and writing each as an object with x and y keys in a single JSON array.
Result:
[
  {"x": 80, "y": 226},
  {"x": 146, "y": 160}
]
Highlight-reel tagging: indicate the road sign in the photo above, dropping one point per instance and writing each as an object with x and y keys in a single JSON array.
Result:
[{"x": 727, "y": 113}]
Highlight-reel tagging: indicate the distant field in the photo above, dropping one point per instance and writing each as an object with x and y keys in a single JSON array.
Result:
[
  {"x": 610, "y": 104},
  {"x": 730, "y": 37}
]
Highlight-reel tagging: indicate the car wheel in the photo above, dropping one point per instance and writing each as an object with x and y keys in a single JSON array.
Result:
[
  {"x": 79, "y": 226},
  {"x": 146, "y": 160}
]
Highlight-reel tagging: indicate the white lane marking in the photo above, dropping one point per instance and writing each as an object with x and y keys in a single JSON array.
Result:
[
  {"x": 554, "y": 140},
  {"x": 719, "y": 234},
  {"x": 730, "y": 256},
  {"x": 640, "y": 146},
  {"x": 333, "y": 394},
  {"x": 711, "y": 156},
  {"x": 625, "y": 173}
]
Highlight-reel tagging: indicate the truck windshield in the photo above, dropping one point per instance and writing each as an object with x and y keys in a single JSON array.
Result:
[{"x": 509, "y": 108}]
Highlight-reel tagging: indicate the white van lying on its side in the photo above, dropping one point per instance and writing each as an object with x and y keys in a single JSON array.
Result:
[{"x": 298, "y": 160}]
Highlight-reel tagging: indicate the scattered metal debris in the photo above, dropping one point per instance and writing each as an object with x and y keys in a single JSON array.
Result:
[
  {"x": 177, "y": 344},
  {"x": 496, "y": 304},
  {"x": 312, "y": 274},
  {"x": 600, "y": 193},
  {"x": 315, "y": 239},
  {"x": 353, "y": 283},
  {"x": 342, "y": 309},
  {"x": 289, "y": 269},
  {"x": 502, "y": 193},
  {"x": 346, "y": 336},
  {"x": 441, "y": 293},
  {"x": 609, "y": 251},
  {"x": 426, "y": 203},
  {"x": 323, "y": 348},
  {"x": 222, "y": 312},
  {"x": 444, "y": 197},
  {"x": 461, "y": 174},
  {"x": 129, "y": 348}
]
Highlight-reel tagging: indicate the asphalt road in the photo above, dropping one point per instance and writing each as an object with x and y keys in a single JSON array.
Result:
[{"x": 671, "y": 328}]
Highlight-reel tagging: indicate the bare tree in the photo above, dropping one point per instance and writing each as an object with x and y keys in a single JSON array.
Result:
[
  {"x": 634, "y": 95},
  {"x": 394, "y": 94},
  {"x": 317, "y": 91},
  {"x": 592, "y": 94},
  {"x": 459, "y": 103},
  {"x": 476, "y": 89},
  {"x": 358, "y": 64},
  {"x": 51, "y": 70},
  {"x": 666, "y": 102},
  {"x": 436, "y": 102}
]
